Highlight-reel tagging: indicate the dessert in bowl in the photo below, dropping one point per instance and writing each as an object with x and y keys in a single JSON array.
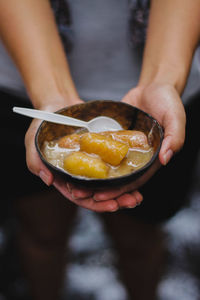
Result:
[{"x": 104, "y": 159}]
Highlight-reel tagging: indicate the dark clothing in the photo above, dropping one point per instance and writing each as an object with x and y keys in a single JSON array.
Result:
[{"x": 17, "y": 180}]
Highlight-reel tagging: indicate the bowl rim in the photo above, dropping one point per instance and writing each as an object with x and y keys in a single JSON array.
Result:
[{"x": 101, "y": 181}]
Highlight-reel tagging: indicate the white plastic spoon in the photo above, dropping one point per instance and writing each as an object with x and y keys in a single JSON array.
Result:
[{"x": 97, "y": 124}]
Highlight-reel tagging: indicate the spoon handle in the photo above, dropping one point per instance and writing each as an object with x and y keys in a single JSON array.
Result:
[{"x": 48, "y": 116}]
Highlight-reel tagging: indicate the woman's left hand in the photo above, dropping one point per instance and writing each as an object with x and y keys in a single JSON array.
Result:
[{"x": 164, "y": 104}]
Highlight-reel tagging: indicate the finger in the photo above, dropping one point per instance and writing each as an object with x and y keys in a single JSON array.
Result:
[
  {"x": 174, "y": 136},
  {"x": 103, "y": 206},
  {"x": 88, "y": 203},
  {"x": 79, "y": 193},
  {"x": 130, "y": 200},
  {"x": 113, "y": 193},
  {"x": 166, "y": 153},
  {"x": 173, "y": 121},
  {"x": 33, "y": 160},
  {"x": 108, "y": 194}
]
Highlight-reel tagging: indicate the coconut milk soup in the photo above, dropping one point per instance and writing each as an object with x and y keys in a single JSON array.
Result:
[{"x": 103, "y": 155}]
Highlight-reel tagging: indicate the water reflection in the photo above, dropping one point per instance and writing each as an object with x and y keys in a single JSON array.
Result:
[
  {"x": 92, "y": 272},
  {"x": 182, "y": 277}
]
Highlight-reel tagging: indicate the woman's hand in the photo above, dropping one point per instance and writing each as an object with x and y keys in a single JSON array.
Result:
[
  {"x": 34, "y": 163},
  {"x": 81, "y": 197},
  {"x": 164, "y": 104}
]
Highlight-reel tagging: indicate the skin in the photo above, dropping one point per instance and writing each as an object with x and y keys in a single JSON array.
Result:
[{"x": 173, "y": 33}]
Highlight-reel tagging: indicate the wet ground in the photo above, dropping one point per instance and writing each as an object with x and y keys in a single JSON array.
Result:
[{"x": 120, "y": 260}]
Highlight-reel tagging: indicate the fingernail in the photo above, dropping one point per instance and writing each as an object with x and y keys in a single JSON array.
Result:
[
  {"x": 130, "y": 207},
  {"x": 114, "y": 209},
  {"x": 45, "y": 178},
  {"x": 168, "y": 155},
  {"x": 73, "y": 193},
  {"x": 69, "y": 187},
  {"x": 139, "y": 199},
  {"x": 95, "y": 199}
]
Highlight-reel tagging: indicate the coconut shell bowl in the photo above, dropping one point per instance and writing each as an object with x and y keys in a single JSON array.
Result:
[{"x": 129, "y": 117}]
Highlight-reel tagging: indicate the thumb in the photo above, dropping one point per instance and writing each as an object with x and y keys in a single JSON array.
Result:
[
  {"x": 33, "y": 160},
  {"x": 174, "y": 135}
]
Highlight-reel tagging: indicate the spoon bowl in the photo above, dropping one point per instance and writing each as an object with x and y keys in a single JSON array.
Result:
[
  {"x": 103, "y": 123},
  {"x": 97, "y": 124}
]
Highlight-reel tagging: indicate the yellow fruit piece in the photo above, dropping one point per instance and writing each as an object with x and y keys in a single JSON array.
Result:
[
  {"x": 134, "y": 138},
  {"x": 79, "y": 163},
  {"x": 70, "y": 141},
  {"x": 109, "y": 150}
]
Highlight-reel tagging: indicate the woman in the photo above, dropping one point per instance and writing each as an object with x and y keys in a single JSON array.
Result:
[{"x": 100, "y": 62}]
